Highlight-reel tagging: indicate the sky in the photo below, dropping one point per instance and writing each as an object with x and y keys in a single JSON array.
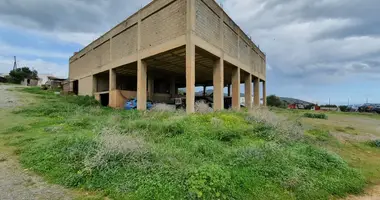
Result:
[{"x": 316, "y": 49}]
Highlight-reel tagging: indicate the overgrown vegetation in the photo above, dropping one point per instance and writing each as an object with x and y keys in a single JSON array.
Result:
[
  {"x": 275, "y": 101},
  {"x": 164, "y": 154},
  {"x": 316, "y": 115},
  {"x": 19, "y": 74},
  {"x": 375, "y": 143}
]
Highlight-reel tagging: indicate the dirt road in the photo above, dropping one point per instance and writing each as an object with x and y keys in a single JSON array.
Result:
[{"x": 15, "y": 182}]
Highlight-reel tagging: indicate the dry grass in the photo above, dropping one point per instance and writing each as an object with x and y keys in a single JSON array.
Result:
[
  {"x": 285, "y": 129},
  {"x": 111, "y": 142},
  {"x": 161, "y": 107},
  {"x": 202, "y": 107}
]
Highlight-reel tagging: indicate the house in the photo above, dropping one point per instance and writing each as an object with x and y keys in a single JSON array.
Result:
[{"x": 168, "y": 45}]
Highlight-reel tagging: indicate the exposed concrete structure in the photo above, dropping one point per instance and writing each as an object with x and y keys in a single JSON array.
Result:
[{"x": 170, "y": 44}]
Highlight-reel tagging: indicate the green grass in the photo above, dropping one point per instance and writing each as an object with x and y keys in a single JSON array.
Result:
[
  {"x": 74, "y": 142},
  {"x": 316, "y": 115}
]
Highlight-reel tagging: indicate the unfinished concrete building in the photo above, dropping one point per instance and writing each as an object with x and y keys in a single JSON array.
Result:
[{"x": 167, "y": 45}]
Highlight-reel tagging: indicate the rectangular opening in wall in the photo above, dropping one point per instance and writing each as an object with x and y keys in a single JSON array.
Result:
[
  {"x": 104, "y": 99},
  {"x": 75, "y": 87}
]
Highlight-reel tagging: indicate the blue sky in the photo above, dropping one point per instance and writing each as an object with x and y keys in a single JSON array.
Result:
[{"x": 316, "y": 50}]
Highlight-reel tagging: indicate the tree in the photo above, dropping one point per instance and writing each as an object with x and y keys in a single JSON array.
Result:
[
  {"x": 19, "y": 74},
  {"x": 275, "y": 101}
]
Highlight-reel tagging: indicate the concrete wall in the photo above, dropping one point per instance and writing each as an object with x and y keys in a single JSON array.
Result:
[
  {"x": 235, "y": 42},
  {"x": 85, "y": 86},
  {"x": 161, "y": 21},
  {"x": 163, "y": 25}
]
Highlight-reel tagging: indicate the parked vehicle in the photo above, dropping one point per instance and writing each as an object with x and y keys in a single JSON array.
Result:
[
  {"x": 367, "y": 107},
  {"x": 376, "y": 109},
  {"x": 352, "y": 108},
  {"x": 131, "y": 104}
]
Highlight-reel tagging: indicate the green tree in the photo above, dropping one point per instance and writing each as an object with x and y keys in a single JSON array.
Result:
[
  {"x": 275, "y": 101},
  {"x": 19, "y": 74}
]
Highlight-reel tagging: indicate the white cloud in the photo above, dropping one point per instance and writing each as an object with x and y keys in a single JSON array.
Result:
[
  {"x": 9, "y": 50},
  {"x": 42, "y": 66}
]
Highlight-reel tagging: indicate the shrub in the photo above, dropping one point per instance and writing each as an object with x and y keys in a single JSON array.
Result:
[
  {"x": 209, "y": 182},
  {"x": 316, "y": 115},
  {"x": 272, "y": 127},
  {"x": 111, "y": 143},
  {"x": 343, "y": 108},
  {"x": 375, "y": 143},
  {"x": 202, "y": 107}
]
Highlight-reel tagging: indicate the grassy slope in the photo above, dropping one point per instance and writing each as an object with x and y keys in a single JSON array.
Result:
[
  {"x": 162, "y": 155},
  {"x": 356, "y": 152}
]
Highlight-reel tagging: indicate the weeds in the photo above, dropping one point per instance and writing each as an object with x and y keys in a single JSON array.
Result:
[
  {"x": 374, "y": 143},
  {"x": 202, "y": 107},
  {"x": 161, "y": 107},
  {"x": 163, "y": 154},
  {"x": 316, "y": 115}
]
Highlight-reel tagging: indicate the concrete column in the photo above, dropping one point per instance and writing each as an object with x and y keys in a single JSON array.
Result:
[
  {"x": 94, "y": 84},
  {"x": 190, "y": 56},
  {"x": 141, "y": 84},
  {"x": 190, "y": 78},
  {"x": 248, "y": 90},
  {"x": 236, "y": 88},
  {"x": 218, "y": 79},
  {"x": 264, "y": 94},
  {"x": 150, "y": 87},
  {"x": 112, "y": 80},
  {"x": 256, "y": 91},
  {"x": 172, "y": 87},
  {"x": 112, "y": 87}
]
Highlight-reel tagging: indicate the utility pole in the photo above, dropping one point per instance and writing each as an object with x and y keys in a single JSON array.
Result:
[
  {"x": 348, "y": 101},
  {"x": 15, "y": 63}
]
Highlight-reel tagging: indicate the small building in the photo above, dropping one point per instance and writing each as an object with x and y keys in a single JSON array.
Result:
[
  {"x": 54, "y": 82},
  {"x": 167, "y": 45},
  {"x": 3, "y": 79},
  {"x": 30, "y": 82}
]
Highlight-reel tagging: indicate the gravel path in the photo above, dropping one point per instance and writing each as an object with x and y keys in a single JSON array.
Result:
[
  {"x": 15, "y": 182},
  {"x": 7, "y": 98},
  {"x": 19, "y": 184}
]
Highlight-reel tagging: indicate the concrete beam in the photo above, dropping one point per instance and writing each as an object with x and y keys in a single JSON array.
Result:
[
  {"x": 236, "y": 88},
  {"x": 141, "y": 84},
  {"x": 248, "y": 90},
  {"x": 256, "y": 91},
  {"x": 218, "y": 79}
]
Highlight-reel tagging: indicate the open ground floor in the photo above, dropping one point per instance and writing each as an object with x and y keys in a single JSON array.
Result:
[{"x": 178, "y": 76}]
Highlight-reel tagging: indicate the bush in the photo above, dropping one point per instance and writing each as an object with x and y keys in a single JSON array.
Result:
[
  {"x": 316, "y": 115},
  {"x": 275, "y": 101},
  {"x": 209, "y": 182},
  {"x": 374, "y": 143},
  {"x": 343, "y": 108}
]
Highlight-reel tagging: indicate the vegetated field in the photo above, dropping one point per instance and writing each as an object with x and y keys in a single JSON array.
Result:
[{"x": 170, "y": 155}]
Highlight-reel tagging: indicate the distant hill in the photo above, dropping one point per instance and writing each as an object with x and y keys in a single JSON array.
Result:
[{"x": 294, "y": 101}]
